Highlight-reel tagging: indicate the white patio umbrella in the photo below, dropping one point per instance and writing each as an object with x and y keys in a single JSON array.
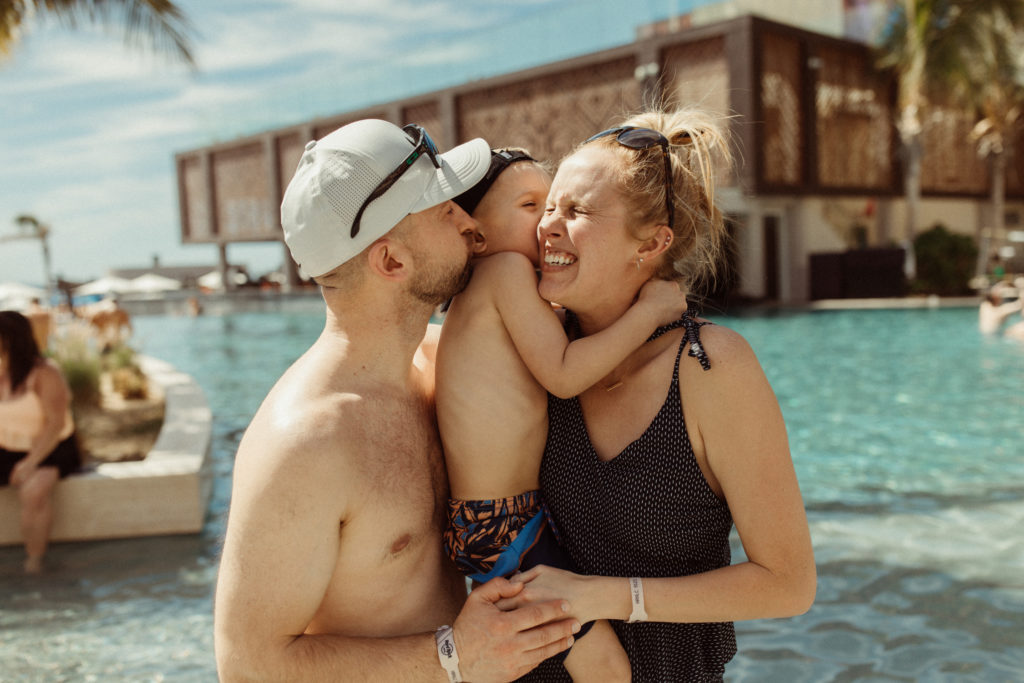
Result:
[
  {"x": 212, "y": 279},
  {"x": 105, "y": 285},
  {"x": 16, "y": 290},
  {"x": 17, "y": 296},
  {"x": 151, "y": 282}
]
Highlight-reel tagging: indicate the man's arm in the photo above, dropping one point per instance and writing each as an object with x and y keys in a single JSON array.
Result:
[
  {"x": 279, "y": 555},
  {"x": 492, "y": 645}
]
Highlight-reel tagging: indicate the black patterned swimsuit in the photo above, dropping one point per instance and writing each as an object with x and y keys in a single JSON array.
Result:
[{"x": 648, "y": 512}]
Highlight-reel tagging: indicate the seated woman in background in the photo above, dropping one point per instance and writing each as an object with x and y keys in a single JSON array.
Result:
[{"x": 37, "y": 432}]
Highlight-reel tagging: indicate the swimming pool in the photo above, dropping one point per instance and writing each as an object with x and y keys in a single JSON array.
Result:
[{"x": 906, "y": 429}]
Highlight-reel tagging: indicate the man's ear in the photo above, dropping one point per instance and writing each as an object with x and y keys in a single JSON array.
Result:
[
  {"x": 389, "y": 259},
  {"x": 656, "y": 244},
  {"x": 479, "y": 240}
]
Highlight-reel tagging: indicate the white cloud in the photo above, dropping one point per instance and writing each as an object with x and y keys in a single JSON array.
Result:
[
  {"x": 54, "y": 58},
  {"x": 90, "y": 126}
]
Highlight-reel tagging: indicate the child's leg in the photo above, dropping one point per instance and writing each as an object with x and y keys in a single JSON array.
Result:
[{"x": 598, "y": 656}]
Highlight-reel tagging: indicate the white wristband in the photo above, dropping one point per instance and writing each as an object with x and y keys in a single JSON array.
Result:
[
  {"x": 636, "y": 594},
  {"x": 445, "y": 638}
]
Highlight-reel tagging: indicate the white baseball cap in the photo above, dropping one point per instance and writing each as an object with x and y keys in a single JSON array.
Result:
[{"x": 337, "y": 173}]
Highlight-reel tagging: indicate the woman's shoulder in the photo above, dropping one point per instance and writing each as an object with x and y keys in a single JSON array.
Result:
[
  {"x": 720, "y": 338},
  {"x": 726, "y": 349},
  {"x": 45, "y": 371},
  {"x": 734, "y": 383}
]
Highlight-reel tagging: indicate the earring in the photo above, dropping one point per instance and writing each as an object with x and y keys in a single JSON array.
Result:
[{"x": 639, "y": 260}]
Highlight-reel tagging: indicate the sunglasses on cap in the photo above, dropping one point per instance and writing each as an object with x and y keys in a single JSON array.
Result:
[
  {"x": 422, "y": 144},
  {"x": 645, "y": 138}
]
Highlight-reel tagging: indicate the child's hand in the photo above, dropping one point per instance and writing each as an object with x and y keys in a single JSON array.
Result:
[{"x": 664, "y": 299}]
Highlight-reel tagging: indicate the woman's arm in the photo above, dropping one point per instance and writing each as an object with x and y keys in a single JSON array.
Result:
[
  {"x": 563, "y": 368},
  {"x": 739, "y": 428},
  {"x": 46, "y": 382}
]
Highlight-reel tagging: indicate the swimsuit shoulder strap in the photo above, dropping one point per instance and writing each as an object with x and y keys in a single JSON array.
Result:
[{"x": 691, "y": 339}]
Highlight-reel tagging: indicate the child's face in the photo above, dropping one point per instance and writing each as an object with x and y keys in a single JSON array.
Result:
[{"x": 509, "y": 212}]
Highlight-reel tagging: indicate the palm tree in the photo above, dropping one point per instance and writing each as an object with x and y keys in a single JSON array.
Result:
[
  {"x": 995, "y": 87},
  {"x": 30, "y": 227},
  {"x": 159, "y": 22},
  {"x": 929, "y": 43}
]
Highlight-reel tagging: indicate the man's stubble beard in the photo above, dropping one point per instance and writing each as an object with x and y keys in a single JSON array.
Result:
[{"x": 438, "y": 284}]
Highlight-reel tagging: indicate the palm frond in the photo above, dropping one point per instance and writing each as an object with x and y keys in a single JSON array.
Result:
[
  {"x": 11, "y": 14},
  {"x": 160, "y": 24}
]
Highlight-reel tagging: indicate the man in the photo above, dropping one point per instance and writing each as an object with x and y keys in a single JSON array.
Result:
[{"x": 332, "y": 566}]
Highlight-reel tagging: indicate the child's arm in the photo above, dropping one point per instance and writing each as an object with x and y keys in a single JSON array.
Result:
[{"x": 563, "y": 368}]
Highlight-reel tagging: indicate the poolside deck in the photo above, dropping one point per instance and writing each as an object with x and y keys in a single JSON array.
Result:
[
  {"x": 894, "y": 303},
  {"x": 166, "y": 493}
]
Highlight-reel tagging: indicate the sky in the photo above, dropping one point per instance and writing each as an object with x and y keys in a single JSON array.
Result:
[{"x": 89, "y": 125}]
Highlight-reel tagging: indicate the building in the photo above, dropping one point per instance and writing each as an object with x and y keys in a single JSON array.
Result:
[{"x": 813, "y": 118}]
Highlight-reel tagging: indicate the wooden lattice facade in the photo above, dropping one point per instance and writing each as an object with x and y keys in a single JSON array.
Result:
[{"x": 811, "y": 117}]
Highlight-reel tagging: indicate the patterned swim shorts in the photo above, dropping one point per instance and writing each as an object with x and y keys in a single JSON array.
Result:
[{"x": 488, "y": 538}]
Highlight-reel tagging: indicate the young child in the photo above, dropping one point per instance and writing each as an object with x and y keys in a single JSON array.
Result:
[{"x": 502, "y": 348}]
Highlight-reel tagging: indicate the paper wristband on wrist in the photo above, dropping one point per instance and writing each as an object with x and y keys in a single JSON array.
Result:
[
  {"x": 636, "y": 594},
  {"x": 445, "y": 638}
]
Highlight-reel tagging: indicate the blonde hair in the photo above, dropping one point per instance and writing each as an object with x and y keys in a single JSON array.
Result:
[{"x": 698, "y": 150}]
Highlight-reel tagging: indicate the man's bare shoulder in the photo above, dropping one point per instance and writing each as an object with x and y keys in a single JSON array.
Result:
[
  {"x": 305, "y": 422},
  {"x": 292, "y": 443}
]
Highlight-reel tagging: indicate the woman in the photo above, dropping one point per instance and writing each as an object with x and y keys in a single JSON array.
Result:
[
  {"x": 640, "y": 485},
  {"x": 37, "y": 433}
]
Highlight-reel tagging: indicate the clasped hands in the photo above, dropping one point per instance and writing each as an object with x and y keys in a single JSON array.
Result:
[{"x": 509, "y": 626}]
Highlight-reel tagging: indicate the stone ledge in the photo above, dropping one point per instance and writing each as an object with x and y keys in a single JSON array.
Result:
[{"x": 166, "y": 493}]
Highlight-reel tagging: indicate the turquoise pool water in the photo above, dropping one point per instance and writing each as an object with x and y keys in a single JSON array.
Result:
[{"x": 906, "y": 429}]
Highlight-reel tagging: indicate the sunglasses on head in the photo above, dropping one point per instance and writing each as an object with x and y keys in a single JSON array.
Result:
[
  {"x": 645, "y": 138},
  {"x": 422, "y": 144}
]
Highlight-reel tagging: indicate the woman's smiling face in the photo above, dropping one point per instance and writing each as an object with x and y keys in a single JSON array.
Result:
[{"x": 586, "y": 247}]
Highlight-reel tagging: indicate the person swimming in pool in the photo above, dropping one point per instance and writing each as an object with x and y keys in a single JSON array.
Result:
[{"x": 994, "y": 311}]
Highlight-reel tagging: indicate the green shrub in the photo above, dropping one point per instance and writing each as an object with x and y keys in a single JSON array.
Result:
[
  {"x": 119, "y": 357},
  {"x": 79, "y": 360},
  {"x": 83, "y": 377},
  {"x": 945, "y": 262}
]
